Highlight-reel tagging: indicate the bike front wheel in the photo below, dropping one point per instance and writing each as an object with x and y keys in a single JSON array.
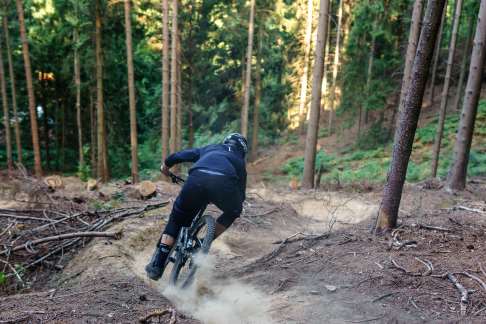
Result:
[{"x": 201, "y": 234}]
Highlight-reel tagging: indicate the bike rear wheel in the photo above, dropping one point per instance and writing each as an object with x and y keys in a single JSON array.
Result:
[{"x": 201, "y": 234}]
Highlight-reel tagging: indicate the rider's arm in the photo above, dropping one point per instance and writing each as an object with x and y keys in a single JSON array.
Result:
[{"x": 190, "y": 155}]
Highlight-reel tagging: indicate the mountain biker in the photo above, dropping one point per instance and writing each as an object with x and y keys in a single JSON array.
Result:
[{"x": 218, "y": 176}]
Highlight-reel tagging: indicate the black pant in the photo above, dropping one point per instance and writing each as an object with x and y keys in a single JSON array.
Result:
[{"x": 199, "y": 190}]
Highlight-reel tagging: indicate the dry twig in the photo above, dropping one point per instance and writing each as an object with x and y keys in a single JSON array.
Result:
[{"x": 462, "y": 290}]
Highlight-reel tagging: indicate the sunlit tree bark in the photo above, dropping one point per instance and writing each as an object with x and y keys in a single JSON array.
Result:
[
  {"x": 445, "y": 90},
  {"x": 30, "y": 90},
  {"x": 6, "y": 118},
  {"x": 173, "y": 79},
  {"x": 313, "y": 127},
  {"x": 335, "y": 67},
  {"x": 165, "y": 79},
  {"x": 404, "y": 135},
  {"x": 131, "y": 92},
  {"x": 458, "y": 171},
  {"x": 305, "y": 67},
  {"x": 247, "y": 83},
  {"x": 13, "y": 89}
]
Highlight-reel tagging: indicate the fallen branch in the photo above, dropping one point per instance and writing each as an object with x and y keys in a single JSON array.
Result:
[
  {"x": 28, "y": 244},
  {"x": 473, "y": 210},
  {"x": 434, "y": 228},
  {"x": 428, "y": 265},
  {"x": 462, "y": 290},
  {"x": 481, "y": 283},
  {"x": 399, "y": 267}
]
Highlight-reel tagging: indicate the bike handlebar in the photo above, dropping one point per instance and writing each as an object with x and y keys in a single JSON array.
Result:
[{"x": 175, "y": 178}]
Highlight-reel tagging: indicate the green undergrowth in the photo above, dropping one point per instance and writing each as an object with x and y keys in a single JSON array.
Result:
[{"x": 354, "y": 165}]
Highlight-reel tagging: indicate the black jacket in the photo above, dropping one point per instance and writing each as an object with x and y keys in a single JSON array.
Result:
[{"x": 225, "y": 159}]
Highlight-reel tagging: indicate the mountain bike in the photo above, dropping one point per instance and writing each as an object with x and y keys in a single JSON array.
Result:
[{"x": 192, "y": 240}]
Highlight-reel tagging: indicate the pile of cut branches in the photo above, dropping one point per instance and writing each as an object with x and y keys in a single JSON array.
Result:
[{"x": 30, "y": 238}]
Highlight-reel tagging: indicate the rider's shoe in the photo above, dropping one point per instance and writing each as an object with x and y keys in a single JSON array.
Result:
[{"x": 156, "y": 266}]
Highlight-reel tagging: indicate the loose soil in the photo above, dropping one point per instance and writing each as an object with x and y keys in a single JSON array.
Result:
[{"x": 345, "y": 275}]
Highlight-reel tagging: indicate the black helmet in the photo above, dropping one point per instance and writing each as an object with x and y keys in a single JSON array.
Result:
[{"x": 237, "y": 140}]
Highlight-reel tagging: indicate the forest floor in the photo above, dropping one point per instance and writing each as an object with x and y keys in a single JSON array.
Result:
[{"x": 293, "y": 257}]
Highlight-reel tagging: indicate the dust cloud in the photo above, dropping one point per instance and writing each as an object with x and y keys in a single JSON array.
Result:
[{"x": 219, "y": 301}]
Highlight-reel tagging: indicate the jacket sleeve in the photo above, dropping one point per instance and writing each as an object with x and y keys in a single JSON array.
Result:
[{"x": 190, "y": 155}]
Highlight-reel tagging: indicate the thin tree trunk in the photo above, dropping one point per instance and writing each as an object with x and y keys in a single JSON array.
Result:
[
  {"x": 445, "y": 90},
  {"x": 313, "y": 127},
  {"x": 165, "y": 80},
  {"x": 179, "y": 96},
  {"x": 437, "y": 55},
  {"x": 402, "y": 148},
  {"x": 131, "y": 92},
  {"x": 45, "y": 119},
  {"x": 413, "y": 38},
  {"x": 173, "y": 79},
  {"x": 92, "y": 115},
  {"x": 326, "y": 62},
  {"x": 369, "y": 73},
  {"x": 458, "y": 171},
  {"x": 30, "y": 90},
  {"x": 249, "y": 55},
  {"x": 63, "y": 136},
  {"x": 102, "y": 160},
  {"x": 305, "y": 68},
  {"x": 258, "y": 89},
  {"x": 13, "y": 89},
  {"x": 465, "y": 59},
  {"x": 335, "y": 67},
  {"x": 77, "y": 82},
  {"x": 6, "y": 118}
]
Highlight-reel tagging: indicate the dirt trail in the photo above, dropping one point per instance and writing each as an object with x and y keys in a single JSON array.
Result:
[
  {"x": 226, "y": 292},
  {"x": 343, "y": 278}
]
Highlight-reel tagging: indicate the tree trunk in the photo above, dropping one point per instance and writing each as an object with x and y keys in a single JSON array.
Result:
[
  {"x": 313, "y": 127},
  {"x": 402, "y": 148},
  {"x": 173, "y": 80},
  {"x": 335, "y": 67},
  {"x": 179, "y": 96},
  {"x": 102, "y": 160},
  {"x": 13, "y": 90},
  {"x": 445, "y": 90},
  {"x": 305, "y": 68},
  {"x": 326, "y": 62},
  {"x": 165, "y": 79},
  {"x": 369, "y": 73},
  {"x": 249, "y": 55},
  {"x": 413, "y": 38},
  {"x": 77, "y": 82},
  {"x": 63, "y": 136},
  {"x": 458, "y": 171},
  {"x": 258, "y": 89},
  {"x": 45, "y": 129},
  {"x": 30, "y": 90},
  {"x": 6, "y": 118},
  {"x": 92, "y": 116},
  {"x": 131, "y": 92},
  {"x": 465, "y": 59},
  {"x": 437, "y": 55}
]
